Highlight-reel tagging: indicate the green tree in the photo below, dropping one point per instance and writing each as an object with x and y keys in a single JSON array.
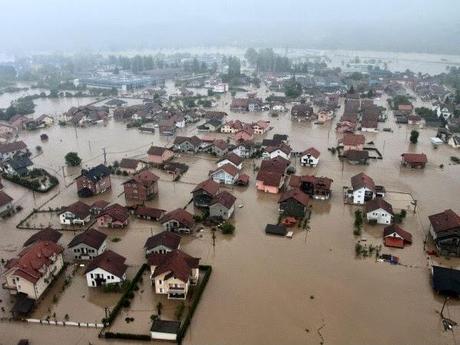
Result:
[
  {"x": 414, "y": 136},
  {"x": 72, "y": 159},
  {"x": 227, "y": 228},
  {"x": 292, "y": 89},
  {"x": 251, "y": 55}
]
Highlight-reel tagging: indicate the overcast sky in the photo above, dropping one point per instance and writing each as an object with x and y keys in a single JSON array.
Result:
[{"x": 101, "y": 25}]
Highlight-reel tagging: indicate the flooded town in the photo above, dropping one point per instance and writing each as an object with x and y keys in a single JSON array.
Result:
[{"x": 236, "y": 194}]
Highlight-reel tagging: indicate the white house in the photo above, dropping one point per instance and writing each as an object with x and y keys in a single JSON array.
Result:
[
  {"x": 173, "y": 273},
  {"x": 34, "y": 269},
  {"x": 310, "y": 157},
  {"x": 282, "y": 150},
  {"x": 76, "y": 214},
  {"x": 233, "y": 159},
  {"x": 106, "y": 268},
  {"x": 226, "y": 174},
  {"x": 162, "y": 243},
  {"x": 220, "y": 88},
  {"x": 222, "y": 206},
  {"x": 379, "y": 210},
  {"x": 363, "y": 189},
  {"x": 87, "y": 245}
]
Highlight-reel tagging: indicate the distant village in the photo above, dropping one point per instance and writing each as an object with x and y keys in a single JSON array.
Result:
[{"x": 207, "y": 109}]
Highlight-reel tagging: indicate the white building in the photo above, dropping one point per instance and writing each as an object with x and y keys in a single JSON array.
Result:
[
  {"x": 379, "y": 210},
  {"x": 310, "y": 157},
  {"x": 76, "y": 214},
  {"x": 363, "y": 189},
  {"x": 226, "y": 174},
  {"x": 105, "y": 269},
  {"x": 34, "y": 269},
  {"x": 87, "y": 245}
]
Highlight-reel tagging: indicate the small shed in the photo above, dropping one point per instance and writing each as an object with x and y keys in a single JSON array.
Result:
[
  {"x": 446, "y": 281},
  {"x": 276, "y": 229},
  {"x": 164, "y": 329}
]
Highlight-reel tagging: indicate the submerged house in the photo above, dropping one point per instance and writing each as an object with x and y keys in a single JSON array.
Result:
[
  {"x": 445, "y": 231},
  {"x": 225, "y": 174},
  {"x": 293, "y": 203},
  {"x": 204, "y": 192},
  {"x": 87, "y": 245},
  {"x": 363, "y": 189},
  {"x": 395, "y": 236},
  {"x": 222, "y": 205},
  {"x": 178, "y": 220},
  {"x": 379, "y": 211},
  {"x": 310, "y": 157},
  {"x": 141, "y": 187},
  {"x": 93, "y": 181},
  {"x": 106, "y": 269},
  {"x": 316, "y": 187},
  {"x": 162, "y": 243},
  {"x": 113, "y": 216},
  {"x": 414, "y": 160},
  {"x": 77, "y": 213},
  {"x": 173, "y": 273},
  {"x": 34, "y": 269}
]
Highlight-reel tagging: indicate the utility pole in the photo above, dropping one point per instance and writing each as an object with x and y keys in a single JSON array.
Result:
[
  {"x": 89, "y": 144},
  {"x": 105, "y": 156}
]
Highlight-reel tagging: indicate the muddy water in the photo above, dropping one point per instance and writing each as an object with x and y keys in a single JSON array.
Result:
[{"x": 274, "y": 290}]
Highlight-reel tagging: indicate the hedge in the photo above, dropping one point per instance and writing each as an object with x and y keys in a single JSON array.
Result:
[
  {"x": 196, "y": 299},
  {"x": 130, "y": 336},
  {"x": 124, "y": 297},
  {"x": 32, "y": 185}
]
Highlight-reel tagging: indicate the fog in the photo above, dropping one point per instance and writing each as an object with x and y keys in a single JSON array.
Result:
[{"x": 428, "y": 26}]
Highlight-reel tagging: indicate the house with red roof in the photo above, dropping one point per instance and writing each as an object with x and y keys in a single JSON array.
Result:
[
  {"x": 352, "y": 142},
  {"x": 34, "y": 269},
  {"x": 222, "y": 205},
  {"x": 106, "y": 269},
  {"x": 445, "y": 231},
  {"x": 131, "y": 166},
  {"x": 204, "y": 192},
  {"x": 283, "y": 150},
  {"x": 159, "y": 155},
  {"x": 396, "y": 237},
  {"x": 162, "y": 243},
  {"x": 225, "y": 174},
  {"x": 379, "y": 210},
  {"x": 179, "y": 221},
  {"x": 77, "y": 213},
  {"x": 414, "y": 160},
  {"x": 141, "y": 187},
  {"x": 293, "y": 203},
  {"x": 87, "y": 245},
  {"x": 318, "y": 187},
  {"x": 173, "y": 273},
  {"x": 231, "y": 158},
  {"x": 310, "y": 157},
  {"x": 113, "y": 216}
]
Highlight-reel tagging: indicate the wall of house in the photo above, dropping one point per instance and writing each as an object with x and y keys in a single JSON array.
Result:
[
  {"x": 223, "y": 177},
  {"x": 68, "y": 218},
  {"x": 382, "y": 216},
  {"x": 163, "y": 336},
  {"x": 218, "y": 210},
  {"x": 109, "y": 277},
  {"x": 162, "y": 285},
  {"x": 309, "y": 161},
  {"x": 85, "y": 252}
]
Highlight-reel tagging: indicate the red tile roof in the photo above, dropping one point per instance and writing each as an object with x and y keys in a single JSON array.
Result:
[
  {"x": 414, "y": 158},
  {"x": 269, "y": 178},
  {"x": 116, "y": 212},
  {"x": 233, "y": 158},
  {"x": 228, "y": 168},
  {"x": 362, "y": 180},
  {"x": 12, "y": 147},
  {"x": 110, "y": 262},
  {"x": 79, "y": 208},
  {"x": 128, "y": 163},
  {"x": 165, "y": 238},
  {"x": 4, "y": 199},
  {"x": 181, "y": 215},
  {"x": 312, "y": 152},
  {"x": 47, "y": 234},
  {"x": 295, "y": 194},
  {"x": 152, "y": 212},
  {"x": 209, "y": 186},
  {"x": 353, "y": 139},
  {"x": 378, "y": 203},
  {"x": 157, "y": 151},
  {"x": 445, "y": 221},
  {"x": 395, "y": 229},
  {"x": 224, "y": 198},
  {"x": 177, "y": 262},
  {"x": 32, "y": 258},
  {"x": 90, "y": 237}
]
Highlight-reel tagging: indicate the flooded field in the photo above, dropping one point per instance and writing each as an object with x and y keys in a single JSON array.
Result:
[{"x": 267, "y": 290}]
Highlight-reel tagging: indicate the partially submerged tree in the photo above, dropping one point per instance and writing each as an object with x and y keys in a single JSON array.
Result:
[{"x": 72, "y": 159}]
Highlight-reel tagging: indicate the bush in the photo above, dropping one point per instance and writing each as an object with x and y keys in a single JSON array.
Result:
[
  {"x": 227, "y": 228},
  {"x": 414, "y": 136},
  {"x": 72, "y": 159},
  {"x": 179, "y": 311}
]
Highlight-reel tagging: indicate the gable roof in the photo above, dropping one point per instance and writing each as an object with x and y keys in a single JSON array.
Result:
[
  {"x": 295, "y": 194},
  {"x": 149, "y": 212},
  {"x": 157, "y": 150},
  {"x": 225, "y": 199},
  {"x": 394, "y": 228},
  {"x": 233, "y": 158},
  {"x": 32, "y": 258},
  {"x": 165, "y": 238},
  {"x": 177, "y": 262},
  {"x": 110, "y": 262},
  {"x": 209, "y": 186},
  {"x": 269, "y": 178},
  {"x": 353, "y": 139},
  {"x": 128, "y": 163},
  {"x": 145, "y": 178},
  {"x": 362, "y": 181},
  {"x": 90, "y": 237},
  {"x": 47, "y": 234},
  {"x": 195, "y": 141},
  {"x": 378, "y": 203},
  {"x": 414, "y": 158},
  {"x": 228, "y": 168},
  {"x": 181, "y": 215},
  {"x": 78, "y": 208},
  {"x": 277, "y": 164},
  {"x": 312, "y": 152},
  {"x": 116, "y": 212},
  {"x": 444, "y": 221}
]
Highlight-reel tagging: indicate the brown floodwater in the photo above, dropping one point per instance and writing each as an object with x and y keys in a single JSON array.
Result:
[{"x": 268, "y": 290}]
